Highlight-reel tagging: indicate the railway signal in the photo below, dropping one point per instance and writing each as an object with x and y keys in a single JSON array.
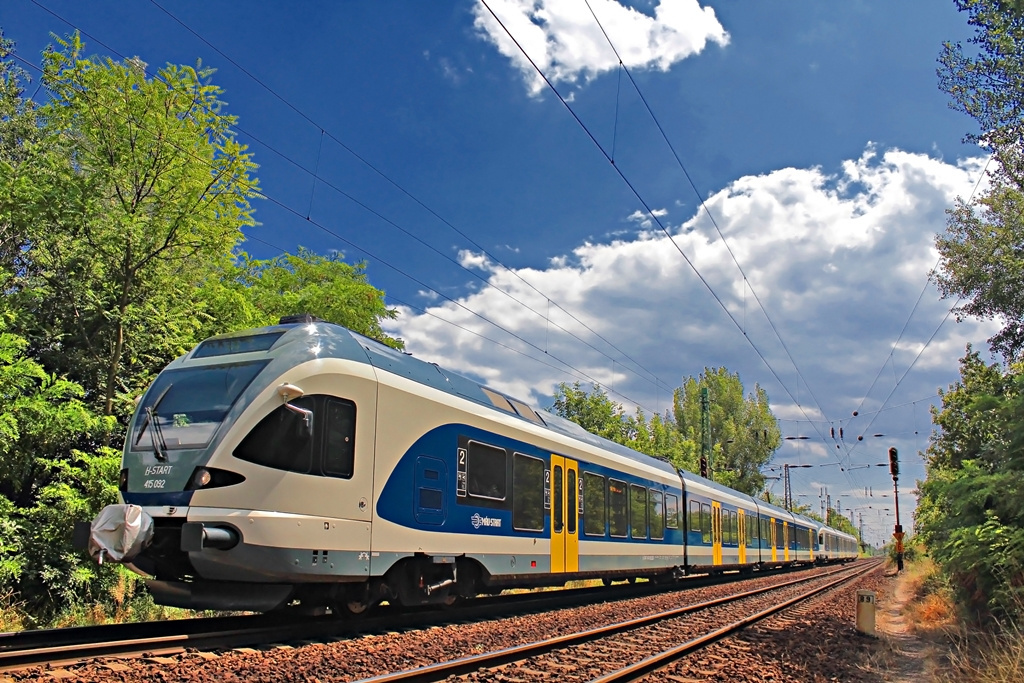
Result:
[{"x": 894, "y": 470}]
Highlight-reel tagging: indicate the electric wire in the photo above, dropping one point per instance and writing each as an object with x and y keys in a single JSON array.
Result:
[
  {"x": 656, "y": 381},
  {"x": 408, "y": 194},
  {"x": 704, "y": 206},
  {"x": 917, "y": 303},
  {"x": 649, "y": 211},
  {"x": 298, "y": 214}
]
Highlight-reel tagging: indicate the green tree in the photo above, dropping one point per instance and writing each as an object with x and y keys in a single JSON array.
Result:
[
  {"x": 981, "y": 251},
  {"x": 970, "y": 511},
  {"x": 988, "y": 85},
  {"x": 142, "y": 183},
  {"x": 18, "y": 130},
  {"x": 52, "y": 471},
  {"x": 744, "y": 432},
  {"x": 252, "y": 293}
]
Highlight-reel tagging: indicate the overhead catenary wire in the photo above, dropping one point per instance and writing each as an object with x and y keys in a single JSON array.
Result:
[
  {"x": 707, "y": 210},
  {"x": 652, "y": 379},
  {"x": 299, "y": 214},
  {"x": 649, "y": 210},
  {"x": 411, "y": 196},
  {"x": 917, "y": 303}
]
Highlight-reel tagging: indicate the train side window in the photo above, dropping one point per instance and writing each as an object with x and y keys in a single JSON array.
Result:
[
  {"x": 751, "y": 530},
  {"x": 339, "y": 452},
  {"x": 527, "y": 493},
  {"x": 281, "y": 440},
  {"x": 571, "y": 503},
  {"x": 705, "y": 522},
  {"x": 637, "y": 511},
  {"x": 594, "y": 512},
  {"x": 779, "y": 537},
  {"x": 557, "y": 504},
  {"x": 733, "y": 526},
  {"x": 656, "y": 515},
  {"x": 766, "y": 531},
  {"x": 485, "y": 471},
  {"x": 694, "y": 516},
  {"x": 671, "y": 511},
  {"x": 618, "y": 508}
]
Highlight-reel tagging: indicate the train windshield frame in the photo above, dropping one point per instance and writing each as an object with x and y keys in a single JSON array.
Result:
[{"x": 187, "y": 405}]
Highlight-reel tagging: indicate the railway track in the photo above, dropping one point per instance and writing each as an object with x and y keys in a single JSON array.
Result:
[
  {"x": 631, "y": 650},
  {"x": 64, "y": 647}
]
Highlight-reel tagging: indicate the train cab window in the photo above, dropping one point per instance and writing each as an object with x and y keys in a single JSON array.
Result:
[
  {"x": 705, "y": 522},
  {"x": 322, "y": 443},
  {"x": 485, "y": 471},
  {"x": 637, "y": 511},
  {"x": 527, "y": 493},
  {"x": 671, "y": 511},
  {"x": 656, "y": 515},
  {"x": 594, "y": 512},
  {"x": 618, "y": 508},
  {"x": 694, "y": 516}
]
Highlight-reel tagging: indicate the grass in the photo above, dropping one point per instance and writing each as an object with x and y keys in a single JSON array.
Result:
[
  {"x": 959, "y": 650},
  {"x": 11, "y": 616}
]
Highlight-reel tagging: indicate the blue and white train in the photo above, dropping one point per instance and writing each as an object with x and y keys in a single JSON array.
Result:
[{"x": 306, "y": 464}]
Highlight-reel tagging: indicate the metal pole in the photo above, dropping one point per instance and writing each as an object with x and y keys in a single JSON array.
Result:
[
  {"x": 789, "y": 491},
  {"x": 705, "y": 429}
]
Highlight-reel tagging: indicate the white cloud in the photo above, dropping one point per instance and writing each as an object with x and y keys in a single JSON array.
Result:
[
  {"x": 471, "y": 259},
  {"x": 838, "y": 261},
  {"x": 563, "y": 39}
]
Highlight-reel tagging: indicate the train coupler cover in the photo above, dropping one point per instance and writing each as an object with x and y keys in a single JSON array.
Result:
[{"x": 119, "y": 533}]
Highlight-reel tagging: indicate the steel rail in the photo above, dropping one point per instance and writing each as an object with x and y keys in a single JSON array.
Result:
[
  {"x": 466, "y": 665},
  {"x": 641, "y": 669},
  {"x": 70, "y": 645}
]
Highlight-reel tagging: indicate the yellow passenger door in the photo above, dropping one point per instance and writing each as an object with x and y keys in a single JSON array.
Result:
[
  {"x": 716, "y": 533},
  {"x": 565, "y": 538},
  {"x": 742, "y": 535}
]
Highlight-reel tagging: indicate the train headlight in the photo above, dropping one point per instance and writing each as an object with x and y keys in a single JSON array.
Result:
[
  {"x": 211, "y": 477},
  {"x": 201, "y": 478}
]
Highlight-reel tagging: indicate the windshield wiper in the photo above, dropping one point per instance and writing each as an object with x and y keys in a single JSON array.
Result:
[{"x": 156, "y": 433}]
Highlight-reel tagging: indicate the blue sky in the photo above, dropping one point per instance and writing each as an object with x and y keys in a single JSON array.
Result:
[{"x": 814, "y": 132}]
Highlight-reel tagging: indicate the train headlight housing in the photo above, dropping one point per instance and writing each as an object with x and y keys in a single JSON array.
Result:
[
  {"x": 211, "y": 478},
  {"x": 122, "y": 480}
]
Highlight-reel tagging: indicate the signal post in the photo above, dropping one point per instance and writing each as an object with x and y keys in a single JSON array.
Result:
[{"x": 894, "y": 470}]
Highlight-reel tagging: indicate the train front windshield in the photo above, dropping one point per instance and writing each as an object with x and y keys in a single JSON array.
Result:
[{"x": 184, "y": 408}]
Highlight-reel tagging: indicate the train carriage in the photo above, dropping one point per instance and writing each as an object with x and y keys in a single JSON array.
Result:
[{"x": 306, "y": 463}]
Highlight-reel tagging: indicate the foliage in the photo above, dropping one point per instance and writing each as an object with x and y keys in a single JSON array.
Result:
[
  {"x": 17, "y": 131},
  {"x": 598, "y": 414},
  {"x": 971, "y": 510},
  {"x": 137, "y": 183},
  {"x": 122, "y": 201},
  {"x": 253, "y": 293},
  {"x": 988, "y": 86},
  {"x": 981, "y": 251},
  {"x": 744, "y": 432}
]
